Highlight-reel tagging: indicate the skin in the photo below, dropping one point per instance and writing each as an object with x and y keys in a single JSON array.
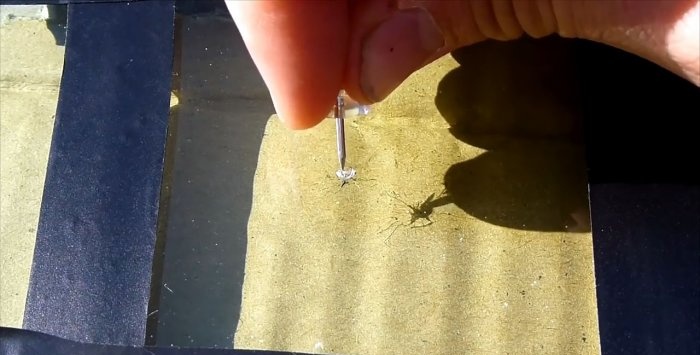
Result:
[{"x": 307, "y": 51}]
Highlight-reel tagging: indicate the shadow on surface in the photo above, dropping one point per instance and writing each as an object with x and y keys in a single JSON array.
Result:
[
  {"x": 56, "y": 23},
  {"x": 220, "y": 119},
  {"x": 640, "y": 119},
  {"x": 518, "y": 100}
]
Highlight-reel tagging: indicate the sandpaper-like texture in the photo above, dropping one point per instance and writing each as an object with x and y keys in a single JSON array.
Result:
[
  {"x": 465, "y": 231},
  {"x": 92, "y": 265},
  {"x": 30, "y": 72}
]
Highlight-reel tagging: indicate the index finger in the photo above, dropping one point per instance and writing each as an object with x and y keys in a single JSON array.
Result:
[{"x": 300, "y": 49}]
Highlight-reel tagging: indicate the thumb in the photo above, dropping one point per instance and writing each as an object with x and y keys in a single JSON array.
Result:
[{"x": 391, "y": 39}]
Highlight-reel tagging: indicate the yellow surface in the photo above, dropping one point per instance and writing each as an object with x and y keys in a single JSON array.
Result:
[
  {"x": 503, "y": 266},
  {"x": 30, "y": 72}
]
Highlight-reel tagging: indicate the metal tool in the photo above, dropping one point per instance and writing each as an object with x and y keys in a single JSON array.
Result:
[
  {"x": 339, "y": 115},
  {"x": 344, "y": 108}
]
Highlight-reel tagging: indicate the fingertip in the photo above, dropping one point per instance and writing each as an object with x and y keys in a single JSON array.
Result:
[
  {"x": 300, "y": 50},
  {"x": 303, "y": 113}
]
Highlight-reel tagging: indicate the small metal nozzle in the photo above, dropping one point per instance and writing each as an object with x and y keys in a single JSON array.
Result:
[{"x": 340, "y": 129}]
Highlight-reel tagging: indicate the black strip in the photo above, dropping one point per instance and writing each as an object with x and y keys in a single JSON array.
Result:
[
  {"x": 645, "y": 203},
  {"x": 92, "y": 263},
  {"x": 64, "y": 2},
  {"x": 184, "y": 6},
  {"x": 646, "y": 253}
]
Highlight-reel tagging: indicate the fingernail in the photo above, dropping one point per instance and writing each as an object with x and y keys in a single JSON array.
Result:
[{"x": 395, "y": 49}]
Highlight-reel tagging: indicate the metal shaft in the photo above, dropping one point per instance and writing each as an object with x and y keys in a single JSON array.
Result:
[{"x": 340, "y": 129}]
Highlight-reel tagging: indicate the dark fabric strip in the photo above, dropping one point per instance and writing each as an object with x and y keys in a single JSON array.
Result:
[
  {"x": 63, "y": 2},
  {"x": 647, "y": 261},
  {"x": 645, "y": 202},
  {"x": 92, "y": 264}
]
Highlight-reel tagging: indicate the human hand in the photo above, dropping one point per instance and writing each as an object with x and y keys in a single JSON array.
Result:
[{"x": 307, "y": 51}]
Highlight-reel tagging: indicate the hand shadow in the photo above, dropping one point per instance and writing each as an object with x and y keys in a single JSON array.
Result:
[{"x": 518, "y": 100}]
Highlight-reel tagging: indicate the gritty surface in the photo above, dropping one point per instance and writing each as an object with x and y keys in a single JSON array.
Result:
[
  {"x": 439, "y": 245},
  {"x": 30, "y": 71}
]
